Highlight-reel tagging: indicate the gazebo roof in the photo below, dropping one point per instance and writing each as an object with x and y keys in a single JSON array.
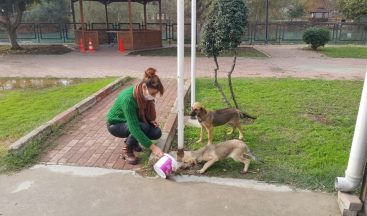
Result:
[
  {"x": 319, "y": 10},
  {"x": 112, "y": 1}
]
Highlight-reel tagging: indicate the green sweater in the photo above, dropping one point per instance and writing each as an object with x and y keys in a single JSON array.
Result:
[{"x": 125, "y": 109}]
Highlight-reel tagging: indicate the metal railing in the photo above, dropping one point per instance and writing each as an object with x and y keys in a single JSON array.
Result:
[{"x": 278, "y": 33}]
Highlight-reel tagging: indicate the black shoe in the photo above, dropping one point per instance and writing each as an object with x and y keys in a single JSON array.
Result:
[
  {"x": 138, "y": 148},
  {"x": 128, "y": 155}
]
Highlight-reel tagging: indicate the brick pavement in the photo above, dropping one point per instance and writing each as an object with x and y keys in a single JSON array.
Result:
[{"x": 86, "y": 141}]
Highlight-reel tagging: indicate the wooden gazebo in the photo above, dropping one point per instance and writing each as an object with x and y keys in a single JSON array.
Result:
[
  {"x": 319, "y": 14},
  {"x": 133, "y": 38}
]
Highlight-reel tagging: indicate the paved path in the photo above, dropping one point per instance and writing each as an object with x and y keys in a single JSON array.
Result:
[
  {"x": 86, "y": 141},
  {"x": 285, "y": 60},
  {"x": 62, "y": 190}
]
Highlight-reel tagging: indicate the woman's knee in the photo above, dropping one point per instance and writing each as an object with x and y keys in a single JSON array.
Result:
[
  {"x": 145, "y": 127},
  {"x": 155, "y": 133},
  {"x": 118, "y": 130}
]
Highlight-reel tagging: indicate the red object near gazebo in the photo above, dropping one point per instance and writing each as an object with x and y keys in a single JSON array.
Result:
[
  {"x": 133, "y": 38},
  {"x": 121, "y": 45}
]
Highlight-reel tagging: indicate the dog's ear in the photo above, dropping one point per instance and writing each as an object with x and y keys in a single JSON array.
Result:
[
  {"x": 193, "y": 112},
  {"x": 203, "y": 110}
]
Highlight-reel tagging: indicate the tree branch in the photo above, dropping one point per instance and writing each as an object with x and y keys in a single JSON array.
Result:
[
  {"x": 19, "y": 15},
  {"x": 217, "y": 84},
  {"x": 3, "y": 20}
]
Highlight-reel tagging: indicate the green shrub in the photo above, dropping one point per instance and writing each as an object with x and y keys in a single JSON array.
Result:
[{"x": 316, "y": 37}]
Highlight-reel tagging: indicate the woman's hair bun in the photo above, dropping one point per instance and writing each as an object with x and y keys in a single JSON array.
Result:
[{"x": 150, "y": 72}]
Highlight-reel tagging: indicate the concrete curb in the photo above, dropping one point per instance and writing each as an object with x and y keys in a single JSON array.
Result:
[
  {"x": 169, "y": 128},
  {"x": 43, "y": 131},
  {"x": 262, "y": 51}
]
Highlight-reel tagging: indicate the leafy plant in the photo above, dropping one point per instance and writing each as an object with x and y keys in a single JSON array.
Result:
[
  {"x": 296, "y": 11},
  {"x": 48, "y": 11},
  {"x": 353, "y": 9},
  {"x": 316, "y": 37}
]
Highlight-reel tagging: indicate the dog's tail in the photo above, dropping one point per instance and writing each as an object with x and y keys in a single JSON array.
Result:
[
  {"x": 253, "y": 156},
  {"x": 245, "y": 115}
]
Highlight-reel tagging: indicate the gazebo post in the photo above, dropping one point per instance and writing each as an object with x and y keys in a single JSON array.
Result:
[
  {"x": 81, "y": 14},
  {"x": 130, "y": 23},
  {"x": 82, "y": 20},
  {"x": 145, "y": 15},
  {"x": 160, "y": 16},
  {"x": 105, "y": 7},
  {"x": 73, "y": 12},
  {"x": 131, "y": 27}
]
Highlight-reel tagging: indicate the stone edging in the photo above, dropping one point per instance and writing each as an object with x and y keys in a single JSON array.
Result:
[
  {"x": 262, "y": 51},
  {"x": 43, "y": 131},
  {"x": 169, "y": 128}
]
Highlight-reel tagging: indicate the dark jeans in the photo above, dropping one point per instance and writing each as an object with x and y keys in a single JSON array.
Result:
[{"x": 121, "y": 130}]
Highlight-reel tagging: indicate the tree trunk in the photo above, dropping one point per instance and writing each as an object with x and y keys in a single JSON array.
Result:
[
  {"x": 11, "y": 25},
  {"x": 217, "y": 84},
  {"x": 230, "y": 80},
  {"x": 231, "y": 88},
  {"x": 12, "y": 35}
]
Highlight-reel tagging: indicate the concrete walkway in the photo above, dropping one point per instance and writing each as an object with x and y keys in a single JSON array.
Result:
[
  {"x": 63, "y": 190},
  {"x": 285, "y": 60}
]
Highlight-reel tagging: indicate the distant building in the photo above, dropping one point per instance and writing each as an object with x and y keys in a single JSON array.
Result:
[{"x": 319, "y": 14}]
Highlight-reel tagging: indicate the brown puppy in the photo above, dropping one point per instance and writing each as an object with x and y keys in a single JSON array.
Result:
[
  {"x": 236, "y": 149},
  {"x": 210, "y": 119}
]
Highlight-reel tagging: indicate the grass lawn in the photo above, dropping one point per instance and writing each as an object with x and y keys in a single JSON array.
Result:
[
  {"x": 4, "y": 48},
  {"x": 22, "y": 110},
  {"x": 172, "y": 51},
  {"x": 303, "y": 131},
  {"x": 36, "y": 50},
  {"x": 345, "y": 52}
]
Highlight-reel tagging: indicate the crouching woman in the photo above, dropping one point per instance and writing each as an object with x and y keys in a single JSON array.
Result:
[{"x": 133, "y": 117}]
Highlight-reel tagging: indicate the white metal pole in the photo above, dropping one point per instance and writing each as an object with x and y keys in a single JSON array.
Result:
[
  {"x": 180, "y": 72},
  {"x": 357, "y": 156},
  {"x": 193, "y": 51}
]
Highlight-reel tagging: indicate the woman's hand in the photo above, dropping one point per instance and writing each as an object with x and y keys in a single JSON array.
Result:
[
  {"x": 156, "y": 151},
  {"x": 154, "y": 123}
]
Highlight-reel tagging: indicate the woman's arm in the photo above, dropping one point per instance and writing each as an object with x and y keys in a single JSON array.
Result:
[
  {"x": 156, "y": 150},
  {"x": 133, "y": 123}
]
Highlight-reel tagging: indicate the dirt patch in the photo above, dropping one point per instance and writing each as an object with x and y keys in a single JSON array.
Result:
[
  {"x": 277, "y": 70},
  {"x": 36, "y": 50},
  {"x": 317, "y": 118},
  {"x": 6, "y": 142}
]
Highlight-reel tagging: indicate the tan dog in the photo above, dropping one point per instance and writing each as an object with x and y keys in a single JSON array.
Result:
[
  {"x": 235, "y": 149},
  {"x": 210, "y": 119}
]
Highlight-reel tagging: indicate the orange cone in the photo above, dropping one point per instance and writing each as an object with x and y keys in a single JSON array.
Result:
[
  {"x": 121, "y": 45},
  {"x": 90, "y": 46},
  {"x": 81, "y": 46}
]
